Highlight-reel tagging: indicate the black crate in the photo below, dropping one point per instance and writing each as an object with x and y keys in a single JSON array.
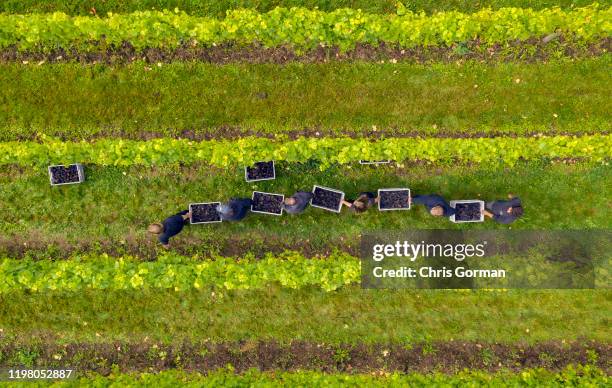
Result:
[
  {"x": 260, "y": 171},
  {"x": 66, "y": 174},
  {"x": 267, "y": 203},
  {"x": 204, "y": 213},
  {"x": 326, "y": 198},
  {"x": 393, "y": 199}
]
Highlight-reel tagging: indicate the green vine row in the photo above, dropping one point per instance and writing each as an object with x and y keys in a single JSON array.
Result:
[
  {"x": 172, "y": 271},
  {"x": 299, "y": 27},
  {"x": 289, "y": 270},
  {"x": 572, "y": 376},
  {"x": 327, "y": 151}
]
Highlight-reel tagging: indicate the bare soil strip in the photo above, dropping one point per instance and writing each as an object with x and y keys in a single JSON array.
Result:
[
  {"x": 529, "y": 51},
  {"x": 233, "y": 133},
  {"x": 446, "y": 357},
  {"x": 39, "y": 247}
]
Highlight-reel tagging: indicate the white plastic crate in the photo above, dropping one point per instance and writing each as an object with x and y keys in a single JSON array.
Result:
[
  {"x": 327, "y": 189},
  {"x": 274, "y": 194},
  {"x": 246, "y": 174},
  {"x": 80, "y": 170},
  {"x": 482, "y": 206},
  {"x": 204, "y": 222},
  {"x": 398, "y": 189}
]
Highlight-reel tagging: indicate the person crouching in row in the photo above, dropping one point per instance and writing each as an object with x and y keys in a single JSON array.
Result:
[
  {"x": 234, "y": 210},
  {"x": 171, "y": 226},
  {"x": 435, "y": 204},
  {"x": 364, "y": 201},
  {"x": 297, "y": 202},
  {"x": 504, "y": 212}
]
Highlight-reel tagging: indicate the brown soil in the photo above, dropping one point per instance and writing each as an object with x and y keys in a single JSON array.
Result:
[
  {"x": 36, "y": 246},
  {"x": 445, "y": 357},
  {"x": 233, "y": 132},
  {"x": 531, "y": 50}
]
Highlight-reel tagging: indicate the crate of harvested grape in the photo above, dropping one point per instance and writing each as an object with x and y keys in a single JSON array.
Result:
[
  {"x": 204, "y": 213},
  {"x": 326, "y": 198},
  {"x": 393, "y": 199},
  {"x": 468, "y": 210},
  {"x": 267, "y": 203},
  {"x": 260, "y": 171},
  {"x": 66, "y": 175}
]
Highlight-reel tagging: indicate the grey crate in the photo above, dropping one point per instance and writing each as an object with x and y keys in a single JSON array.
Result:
[
  {"x": 203, "y": 203},
  {"x": 275, "y": 194},
  {"x": 80, "y": 170},
  {"x": 482, "y": 205},
  {"x": 327, "y": 188},
  {"x": 246, "y": 175},
  {"x": 398, "y": 189}
]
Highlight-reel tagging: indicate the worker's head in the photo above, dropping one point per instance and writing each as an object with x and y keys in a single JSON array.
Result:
[
  {"x": 155, "y": 228},
  {"x": 359, "y": 207},
  {"x": 225, "y": 210},
  {"x": 290, "y": 201},
  {"x": 516, "y": 211},
  {"x": 437, "y": 211},
  {"x": 361, "y": 204}
]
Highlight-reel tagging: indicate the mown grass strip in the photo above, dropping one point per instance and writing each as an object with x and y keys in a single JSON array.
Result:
[
  {"x": 300, "y": 28},
  {"x": 110, "y": 211},
  {"x": 326, "y": 151},
  {"x": 571, "y": 376},
  {"x": 218, "y": 8},
  {"x": 346, "y": 316},
  {"x": 200, "y": 101}
]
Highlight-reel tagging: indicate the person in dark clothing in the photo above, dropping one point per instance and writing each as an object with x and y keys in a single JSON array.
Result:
[
  {"x": 435, "y": 204},
  {"x": 504, "y": 212},
  {"x": 170, "y": 227},
  {"x": 235, "y": 209},
  {"x": 363, "y": 202},
  {"x": 297, "y": 202}
]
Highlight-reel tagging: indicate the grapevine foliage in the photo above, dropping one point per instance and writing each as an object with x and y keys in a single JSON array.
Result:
[
  {"x": 181, "y": 273},
  {"x": 581, "y": 375},
  {"x": 171, "y": 271},
  {"x": 327, "y": 151},
  {"x": 299, "y": 27}
]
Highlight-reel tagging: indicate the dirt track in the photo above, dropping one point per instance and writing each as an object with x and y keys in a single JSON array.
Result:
[
  {"x": 446, "y": 357},
  {"x": 532, "y": 50}
]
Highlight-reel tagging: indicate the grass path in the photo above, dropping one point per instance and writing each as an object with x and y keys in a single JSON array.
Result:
[
  {"x": 112, "y": 208},
  {"x": 347, "y": 315},
  {"x": 199, "y": 100}
]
